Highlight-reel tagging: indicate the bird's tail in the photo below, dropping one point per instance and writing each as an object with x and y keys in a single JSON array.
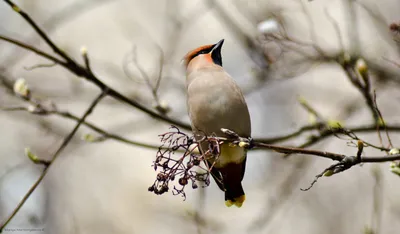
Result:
[
  {"x": 235, "y": 196},
  {"x": 232, "y": 178}
]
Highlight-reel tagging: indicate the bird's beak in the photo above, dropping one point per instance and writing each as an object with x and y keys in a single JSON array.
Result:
[
  {"x": 217, "y": 47},
  {"x": 216, "y": 53}
]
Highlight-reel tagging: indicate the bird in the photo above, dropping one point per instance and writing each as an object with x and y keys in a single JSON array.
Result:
[{"x": 215, "y": 101}]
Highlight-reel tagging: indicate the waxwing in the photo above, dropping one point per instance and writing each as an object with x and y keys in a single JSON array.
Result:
[{"x": 215, "y": 101}]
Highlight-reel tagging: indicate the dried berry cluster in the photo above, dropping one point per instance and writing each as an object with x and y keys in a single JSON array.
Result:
[
  {"x": 177, "y": 160},
  {"x": 395, "y": 27}
]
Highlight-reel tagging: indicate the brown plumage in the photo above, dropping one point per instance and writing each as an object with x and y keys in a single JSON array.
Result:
[{"x": 215, "y": 101}]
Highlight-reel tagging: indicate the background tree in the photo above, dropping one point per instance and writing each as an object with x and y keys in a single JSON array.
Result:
[{"x": 87, "y": 87}]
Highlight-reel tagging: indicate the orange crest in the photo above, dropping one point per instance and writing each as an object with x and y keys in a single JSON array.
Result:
[{"x": 201, "y": 50}]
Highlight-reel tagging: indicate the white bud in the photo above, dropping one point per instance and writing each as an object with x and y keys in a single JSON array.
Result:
[
  {"x": 31, "y": 155},
  {"x": 83, "y": 50},
  {"x": 361, "y": 66},
  {"x": 268, "y": 26},
  {"x": 394, "y": 151},
  {"x": 162, "y": 107},
  {"x": 88, "y": 138},
  {"x": 31, "y": 108},
  {"x": 21, "y": 88},
  {"x": 394, "y": 168}
]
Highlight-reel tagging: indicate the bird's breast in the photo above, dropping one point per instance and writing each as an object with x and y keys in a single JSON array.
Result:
[
  {"x": 215, "y": 102},
  {"x": 230, "y": 154}
]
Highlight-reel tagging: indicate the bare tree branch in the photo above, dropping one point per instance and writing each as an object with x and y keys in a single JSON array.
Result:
[
  {"x": 54, "y": 157},
  {"x": 81, "y": 71},
  {"x": 65, "y": 114},
  {"x": 175, "y": 139}
]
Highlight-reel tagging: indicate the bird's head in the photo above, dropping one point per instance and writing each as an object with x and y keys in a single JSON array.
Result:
[{"x": 207, "y": 55}]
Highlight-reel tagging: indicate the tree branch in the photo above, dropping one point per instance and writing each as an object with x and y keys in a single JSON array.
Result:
[
  {"x": 79, "y": 70},
  {"x": 54, "y": 157},
  {"x": 68, "y": 115}
]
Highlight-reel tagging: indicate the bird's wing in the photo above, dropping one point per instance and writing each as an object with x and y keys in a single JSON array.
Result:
[{"x": 216, "y": 175}]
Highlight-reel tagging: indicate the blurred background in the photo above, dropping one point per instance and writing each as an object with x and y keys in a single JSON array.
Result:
[{"x": 277, "y": 51}]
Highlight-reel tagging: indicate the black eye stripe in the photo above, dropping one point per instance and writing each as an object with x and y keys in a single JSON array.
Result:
[
  {"x": 205, "y": 51},
  {"x": 202, "y": 50}
]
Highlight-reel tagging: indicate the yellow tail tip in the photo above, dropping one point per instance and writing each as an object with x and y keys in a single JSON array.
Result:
[
  {"x": 229, "y": 203},
  {"x": 238, "y": 202}
]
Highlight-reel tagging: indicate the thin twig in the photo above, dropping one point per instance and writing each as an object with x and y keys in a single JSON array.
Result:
[
  {"x": 289, "y": 136},
  {"x": 54, "y": 157},
  {"x": 254, "y": 50},
  {"x": 352, "y": 26},
  {"x": 251, "y": 144},
  {"x": 328, "y": 132},
  {"x": 377, "y": 203},
  {"x": 311, "y": 110},
  {"x": 364, "y": 87},
  {"x": 105, "y": 134},
  {"x": 160, "y": 70},
  {"x": 344, "y": 162},
  {"x": 32, "y": 49},
  {"x": 353, "y": 136},
  {"x": 313, "y": 33},
  {"x": 44, "y": 65},
  {"x": 382, "y": 122},
  {"x": 337, "y": 29},
  {"x": 41, "y": 33},
  {"x": 292, "y": 150},
  {"x": 391, "y": 61},
  {"x": 145, "y": 76},
  {"x": 324, "y": 133},
  {"x": 86, "y": 60},
  {"x": 81, "y": 71}
]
